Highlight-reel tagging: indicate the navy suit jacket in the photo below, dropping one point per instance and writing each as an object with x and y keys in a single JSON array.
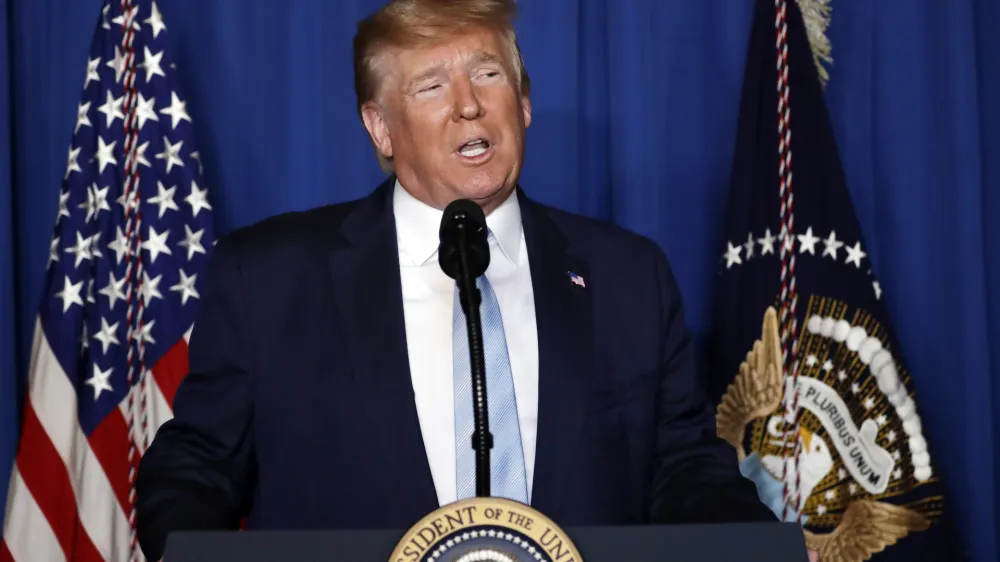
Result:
[{"x": 298, "y": 409}]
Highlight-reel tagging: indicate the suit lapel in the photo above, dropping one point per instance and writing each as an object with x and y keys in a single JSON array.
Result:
[
  {"x": 563, "y": 318},
  {"x": 364, "y": 268}
]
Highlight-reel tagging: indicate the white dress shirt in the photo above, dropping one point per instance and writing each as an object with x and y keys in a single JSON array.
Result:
[{"x": 428, "y": 300}]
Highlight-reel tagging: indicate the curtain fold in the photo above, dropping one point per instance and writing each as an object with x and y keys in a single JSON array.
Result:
[
  {"x": 635, "y": 106},
  {"x": 9, "y": 335}
]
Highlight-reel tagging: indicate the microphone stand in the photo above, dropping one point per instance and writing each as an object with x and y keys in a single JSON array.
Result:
[{"x": 469, "y": 296}]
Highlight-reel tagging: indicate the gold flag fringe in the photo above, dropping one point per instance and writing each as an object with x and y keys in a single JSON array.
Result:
[{"x": 816, "y": 14}]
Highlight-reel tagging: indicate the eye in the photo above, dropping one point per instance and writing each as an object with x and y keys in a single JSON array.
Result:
[{"x": 430, "y": 88}]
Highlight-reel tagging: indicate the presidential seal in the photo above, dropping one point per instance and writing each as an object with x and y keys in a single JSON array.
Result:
[
  {"x": 851, "y": 465},
  {"x": 485, "y": 529}
]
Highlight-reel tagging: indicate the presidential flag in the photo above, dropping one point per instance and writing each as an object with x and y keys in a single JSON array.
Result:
[
  {"x": 132, "y": 235},
  {"x": 812, "y": 386}
]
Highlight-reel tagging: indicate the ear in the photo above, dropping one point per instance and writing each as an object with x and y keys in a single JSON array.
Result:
[
  {"x": 526, "y": 109},
  {"x": 374, "y": 119}
]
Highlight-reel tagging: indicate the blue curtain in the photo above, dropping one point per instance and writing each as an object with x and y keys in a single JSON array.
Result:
[{"x": 635, "y": 106}]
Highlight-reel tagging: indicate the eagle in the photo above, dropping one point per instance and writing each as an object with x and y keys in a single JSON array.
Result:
[{"x": 866, "y": 526}]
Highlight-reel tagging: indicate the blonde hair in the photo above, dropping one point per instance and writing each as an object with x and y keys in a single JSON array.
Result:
[{"x": 414, "y": 23}]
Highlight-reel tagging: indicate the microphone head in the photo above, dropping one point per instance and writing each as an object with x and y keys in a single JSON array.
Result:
[{"x": 463, "y": 219}]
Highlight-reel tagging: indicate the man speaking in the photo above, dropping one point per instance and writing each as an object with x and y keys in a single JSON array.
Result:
[{"x": 329, "y": 369}]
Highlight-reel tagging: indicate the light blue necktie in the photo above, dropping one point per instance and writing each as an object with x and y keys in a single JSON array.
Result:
[{"x": 507, "y": 473}]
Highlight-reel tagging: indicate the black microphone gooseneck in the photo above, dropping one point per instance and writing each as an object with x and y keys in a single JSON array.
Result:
[{"x": 464, "y": 255}]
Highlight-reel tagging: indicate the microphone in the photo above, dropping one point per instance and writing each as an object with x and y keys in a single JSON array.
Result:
[{"x": 464, "y": 255}]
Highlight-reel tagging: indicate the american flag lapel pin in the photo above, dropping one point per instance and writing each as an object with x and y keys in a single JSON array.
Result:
[{"x": 576, "y": 279}]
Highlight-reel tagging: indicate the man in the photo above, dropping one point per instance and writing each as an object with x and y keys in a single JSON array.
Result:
[{"x": 328, "y": 381}]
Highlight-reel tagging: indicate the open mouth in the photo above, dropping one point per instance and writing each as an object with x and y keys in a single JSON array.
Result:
[{"x": 474, "y": 148}]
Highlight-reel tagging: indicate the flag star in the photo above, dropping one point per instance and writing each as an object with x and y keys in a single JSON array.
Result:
[
  {"x": 95, "y": 246},
  {"x": 890, "y": 436},
  {"x": 100, "y": 381},
  {"x": 172, "y": 153},
  {"x": 830, "y": 494},
  {"x": 881, "y": 420},
  {"x": 852, "y": 488},
  {"x": 119, "y": 247},
  {"x": 869, "y": 403},
  {"x": 842, "y": 375},
  {"x": 164, "y": 198},
  {"x": 121, "y": 19},
  {"x": 186, "y": 286},
  {"x": 807, "y": 242},
  {"x": 831, "y": 245},
  {"x": 104, "y": 16},
  {"x": 811, "y": 360},
  {"x": 896, "y": 455},
  {"x": 132, "y": 203},
  {"x": 140, "y": 154},
  {"x": 897, "y": 474},
  {"x": 156, "y": 244},
  {"x": 71, "y": 164},
  {"x": 81, "y": 249},
  {"x": 70, "y": 294},
  {"x": 82, "y": 119},
  {"x": 117, "y": 63},
  {"x": 198, "y": 199},
  {"x": 192, "y": 241},
  {"x": 176, "y": 111},
  {"x": 53, "y": 251},
  {"x": 820, "y": 509},
  {"x": 146, "y": 332},
  {"x": 854, "y": 254},
  {"x": 196, "y": 156},
  {"x": 149, "y": 289},
  {"x": 855, "y": 388},
  {"x": 155, "y": 21},
  {"x": 112, "y": 108},
  {"x": 787, "y": 241},
  {"x": 105, "y": 154},
  {"x": 766, "y": 243},
  {"x": 146, "y": 111},
  {"x": 97, "y": 201},
  {"x": 732, "y": 256},
  {"x": 841, "y": 473},
  {"x": 151, "y": 64},
  {"x": 749, "y": 245},
  {"x": 115, "y": 289},
  {"x": 63, "y": 205},
  {"x": 92, "y": 73},
  {"x": 107, "y": 335},
  {"x": 878, "y": 289}
]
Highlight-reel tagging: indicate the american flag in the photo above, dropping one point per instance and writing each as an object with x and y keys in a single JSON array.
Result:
[{"x": 131, "y": 239}]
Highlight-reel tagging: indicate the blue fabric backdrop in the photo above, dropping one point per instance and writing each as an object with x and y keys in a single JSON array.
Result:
[{"x": 635, "y": 108}]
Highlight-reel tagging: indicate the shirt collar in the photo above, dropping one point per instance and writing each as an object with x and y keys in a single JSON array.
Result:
[{"x": 417, "y": 225}]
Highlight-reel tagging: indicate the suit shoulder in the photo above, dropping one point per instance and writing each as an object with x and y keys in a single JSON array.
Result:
[{"x": 290, "y": 231}]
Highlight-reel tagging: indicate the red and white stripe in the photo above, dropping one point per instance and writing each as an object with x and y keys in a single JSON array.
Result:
[{"x": 68, "y": 497}]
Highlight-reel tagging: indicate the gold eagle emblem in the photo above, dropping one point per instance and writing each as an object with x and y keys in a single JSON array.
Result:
[{"x": 866, "y": 526}]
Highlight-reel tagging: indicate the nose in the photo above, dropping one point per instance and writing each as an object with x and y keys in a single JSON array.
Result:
[{"x": 467, "y": 104}]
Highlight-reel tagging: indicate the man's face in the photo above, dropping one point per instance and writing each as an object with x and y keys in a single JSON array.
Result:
[{"x": 452, "y": 118}]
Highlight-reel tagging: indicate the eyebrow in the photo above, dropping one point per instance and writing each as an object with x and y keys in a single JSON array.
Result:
[{"x": 478, "y": 57}]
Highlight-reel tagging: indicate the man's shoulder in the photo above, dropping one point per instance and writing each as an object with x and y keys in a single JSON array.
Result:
[{"x": 291, "y": 233}]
